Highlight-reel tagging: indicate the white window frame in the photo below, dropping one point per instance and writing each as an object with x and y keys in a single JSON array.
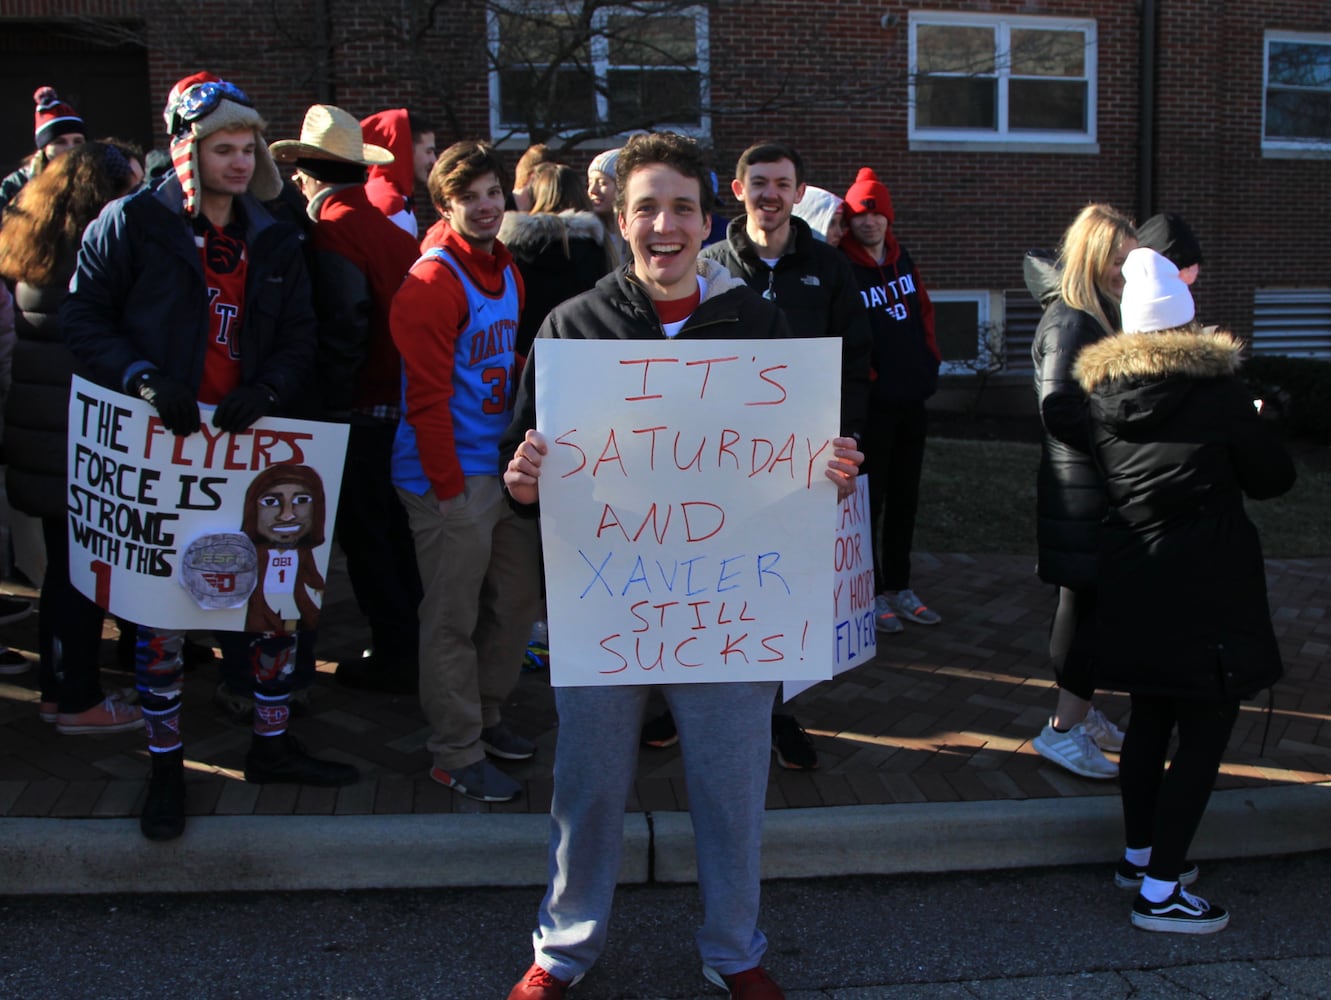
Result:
[
  {"x": 1021, "y": 140},
  {"x": 513, "y": 133},
  {"x": 1281, "y": 148},
  {"x": 985, "y": 358}
]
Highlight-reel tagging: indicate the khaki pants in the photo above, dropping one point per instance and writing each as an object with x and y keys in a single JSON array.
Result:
[{"x": 479, "y": 573}]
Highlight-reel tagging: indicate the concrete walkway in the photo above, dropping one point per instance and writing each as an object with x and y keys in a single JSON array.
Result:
[{"x": 925, "y": 756}]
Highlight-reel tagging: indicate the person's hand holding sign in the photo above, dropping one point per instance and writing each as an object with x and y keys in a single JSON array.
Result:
[
  {"x": 844, "y": 466},
  {"x": 524, "y": 468}
]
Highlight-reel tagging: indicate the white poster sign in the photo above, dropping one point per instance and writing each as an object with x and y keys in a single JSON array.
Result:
[
  {"x": 685, "y": 514},
  {"x": 855, "y": 635},
  {"x": 221, "y": 531}
]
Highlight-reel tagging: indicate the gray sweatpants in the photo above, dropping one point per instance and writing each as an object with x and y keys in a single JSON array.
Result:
[{"x": 725, "y": 737}]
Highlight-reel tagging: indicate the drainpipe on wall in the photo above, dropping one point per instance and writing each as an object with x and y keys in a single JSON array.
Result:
[{"x": 1146, "y": 113}]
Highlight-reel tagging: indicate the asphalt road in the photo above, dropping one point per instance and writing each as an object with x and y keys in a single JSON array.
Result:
[{"x": 1011, "y": 934}]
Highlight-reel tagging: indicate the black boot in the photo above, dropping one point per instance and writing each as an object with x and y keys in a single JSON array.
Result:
[
  {"x": 282, "y": 760},
  {"x": 164, "y": 809}
]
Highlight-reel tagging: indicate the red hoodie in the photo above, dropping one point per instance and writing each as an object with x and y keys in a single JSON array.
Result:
[
  {"x": 429, "y": 314},
  {"x": 390, "y": 186}
]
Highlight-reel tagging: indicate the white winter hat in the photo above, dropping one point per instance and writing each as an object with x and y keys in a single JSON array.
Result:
[{"x": 1154, "y": 297}]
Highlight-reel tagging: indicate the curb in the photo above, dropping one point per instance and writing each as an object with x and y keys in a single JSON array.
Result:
[{"x": 266, "y": 853}]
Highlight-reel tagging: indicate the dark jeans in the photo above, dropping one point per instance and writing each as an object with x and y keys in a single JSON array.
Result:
[
  {"x": 893, "y": 459},
  {"x": 373, "y": 531},
  {"x": 1162, "y": 809},
  {"x": 1072, "y": 641},
  {"x": 69, "y": 630}
]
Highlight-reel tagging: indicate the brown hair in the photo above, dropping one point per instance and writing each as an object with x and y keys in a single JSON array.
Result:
[
  {"x": 671, "y": 150},
  {"x": 556, "y": 188},
  {"x": 769, "y": 152},
  {"x": 529, "y": 161},
  {"x": 44, "y": 224},
  {"x": 459, "y": 165}
]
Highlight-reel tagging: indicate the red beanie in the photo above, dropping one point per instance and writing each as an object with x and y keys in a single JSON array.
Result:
[
  {"x": 53, "y": 118},
  {"x": 869, "y": 194}
]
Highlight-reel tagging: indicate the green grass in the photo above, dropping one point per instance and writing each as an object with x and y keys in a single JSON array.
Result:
[{"x": 979, "y": 496}]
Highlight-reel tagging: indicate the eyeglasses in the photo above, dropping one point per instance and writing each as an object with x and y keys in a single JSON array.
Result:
[{"x": 201, "y": 100}]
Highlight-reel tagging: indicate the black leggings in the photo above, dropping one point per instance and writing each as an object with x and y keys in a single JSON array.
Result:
[
  {"x": 1162, "y": 809},
  {"x": 1072, "y": 641}
]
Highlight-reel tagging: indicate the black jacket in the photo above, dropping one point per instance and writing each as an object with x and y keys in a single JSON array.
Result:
[
  {"x": 1069, "y": 498},
  {"x": 139, "y": 299},
  {"x": 558, "y": 256},
  {"x": 1182, "y": 587},
  {"x": 618, "y": 308},
  {"x": 813, "y": 285},
  {"x": 37, "y": 410}
]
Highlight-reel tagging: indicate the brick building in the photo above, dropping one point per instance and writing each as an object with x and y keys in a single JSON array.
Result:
[{"x": 992, "y": 121}]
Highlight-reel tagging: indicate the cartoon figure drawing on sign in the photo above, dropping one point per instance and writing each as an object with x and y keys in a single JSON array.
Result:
[{"x": 284, "y": 517}]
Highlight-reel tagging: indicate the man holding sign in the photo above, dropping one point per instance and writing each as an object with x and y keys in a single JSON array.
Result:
[
  {"x": 663, "y": 208},
  {"x": 192, "y": 294}
]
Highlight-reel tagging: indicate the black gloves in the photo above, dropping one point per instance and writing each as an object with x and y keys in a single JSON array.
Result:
[
  {"x": 174, "y": 402},
  {"x": 243, "y": 405}
]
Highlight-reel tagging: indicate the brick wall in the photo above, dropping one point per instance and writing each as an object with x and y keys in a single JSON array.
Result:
[{"x": 831, "y": 78}]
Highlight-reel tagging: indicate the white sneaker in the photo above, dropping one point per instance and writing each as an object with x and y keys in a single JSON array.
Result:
[
  {"x": 1107, "y": 736},
  {"x": 1074, "y": 751}
]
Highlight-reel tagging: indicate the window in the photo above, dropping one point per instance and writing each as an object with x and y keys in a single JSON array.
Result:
[
  {"x": 556, "y": 71},
  {"x": 1296, "y": 112},
  {"x": 1292, "y": 321},
  {"x": 1012, "y": 80},
  {"x": 968, "y": 341}
]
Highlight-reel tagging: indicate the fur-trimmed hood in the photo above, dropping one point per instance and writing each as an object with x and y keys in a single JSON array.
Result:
[
  {"x": 1136, "y": 380},
  {"x": 1141, "y": 357},
  {"x": 528, "y": 234}
]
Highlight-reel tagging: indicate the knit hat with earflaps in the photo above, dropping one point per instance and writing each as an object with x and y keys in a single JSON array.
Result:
[
  {"x": 228, "y": 114},
  {"x": 1154, "y": 296},
  {"x": 53, "y": 118}
]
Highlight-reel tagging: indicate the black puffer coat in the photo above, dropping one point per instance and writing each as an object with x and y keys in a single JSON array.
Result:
[
  {"x": 1069, "y": 498},
  {"x": 1182, "y": 609},
  {"x": 37, "y": 410},
  {"x": 559, "y": 256}
]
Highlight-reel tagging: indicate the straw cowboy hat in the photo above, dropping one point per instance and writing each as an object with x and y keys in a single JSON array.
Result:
[{"x": 329, "y": 133}]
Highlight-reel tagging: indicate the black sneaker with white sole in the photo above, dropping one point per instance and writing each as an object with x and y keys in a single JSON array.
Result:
[
  {"x": 1181, "y": 913},
  {"x": 1129, "y": 876}
]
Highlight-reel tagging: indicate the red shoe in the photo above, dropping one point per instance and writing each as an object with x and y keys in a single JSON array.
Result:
[
  {"x": 538, "y": 984},
  {"x": 47, "y": 711},
  {"x": 751, "y": 984},
  {"x": 110, "y": 716}
]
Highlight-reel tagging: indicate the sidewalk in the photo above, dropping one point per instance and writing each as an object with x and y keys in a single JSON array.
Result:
[{"x": 925, "y": 756}]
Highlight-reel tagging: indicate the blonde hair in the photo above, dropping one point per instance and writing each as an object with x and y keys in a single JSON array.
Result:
[{"x": 1088, "y": 250}]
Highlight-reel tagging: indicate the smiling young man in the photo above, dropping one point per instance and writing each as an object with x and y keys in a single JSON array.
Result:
[
  {"x": 664, "y": 202},
  {"x": 775, "y": 253},
  {"x": 193, "y": 293},
  {"x": 455, "y": 322}
]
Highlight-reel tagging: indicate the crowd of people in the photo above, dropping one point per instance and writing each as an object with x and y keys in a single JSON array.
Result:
[{"x": 252, "y": 280}]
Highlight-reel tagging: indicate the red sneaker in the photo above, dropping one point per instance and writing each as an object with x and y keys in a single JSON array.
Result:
[
  {"x": 537, "y": 984},
  {"x": 751, "y": 984},
  {"x": 110, "y": 716}
]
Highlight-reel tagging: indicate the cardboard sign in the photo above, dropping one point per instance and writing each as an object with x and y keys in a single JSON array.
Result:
[
  {"x": 855, "y": 634},
  {"x": 229, "y": 532},
  {"x": 685, "y": 514}
]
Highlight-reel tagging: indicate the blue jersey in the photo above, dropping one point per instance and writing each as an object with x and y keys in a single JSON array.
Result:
[{"x": 482, "y": 402}]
